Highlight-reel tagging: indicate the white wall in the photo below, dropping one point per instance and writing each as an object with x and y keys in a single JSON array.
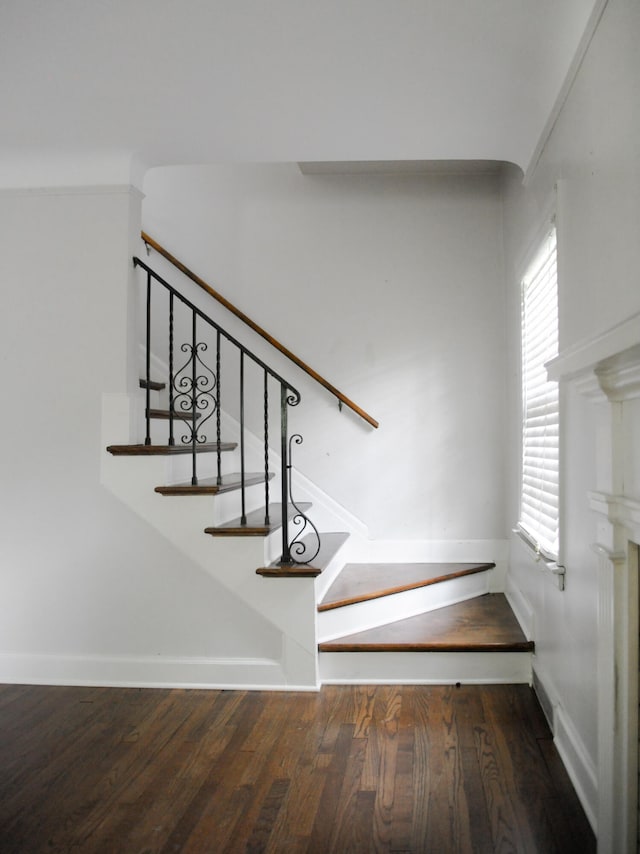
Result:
[
  {"x": 391, "y": 288},
  {"x": 88, "y": 591},
  {"x": 593, "y": 156}
]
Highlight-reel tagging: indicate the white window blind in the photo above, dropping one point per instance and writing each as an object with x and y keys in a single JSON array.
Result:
[{"x": 540, "y": 439}]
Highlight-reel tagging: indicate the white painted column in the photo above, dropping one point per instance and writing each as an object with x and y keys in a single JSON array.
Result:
[{"x": 613, "y": 385}]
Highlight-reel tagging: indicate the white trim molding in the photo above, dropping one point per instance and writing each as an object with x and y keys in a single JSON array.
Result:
[
  {"x": 573, "y": 752},
  {"x": 72, "y": 190},
  {"x": 606, "y": 370},
  {"x": 619, "y": 510},
  {"x": 129, "y": 671},
  {"x": 617, "y": 701},
  {"x": 565, "y": 89},
  {"x": 603, "y": 354}
]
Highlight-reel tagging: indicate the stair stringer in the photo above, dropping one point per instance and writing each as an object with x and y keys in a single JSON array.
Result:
[{"x": 231, "y": 561}]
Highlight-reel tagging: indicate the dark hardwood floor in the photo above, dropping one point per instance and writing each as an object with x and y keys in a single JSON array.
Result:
[{"x": 433, "y": 769}]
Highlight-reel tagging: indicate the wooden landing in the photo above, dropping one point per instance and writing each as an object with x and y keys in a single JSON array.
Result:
[
  {"x": 255, "y": 525},
  {"x": 210, "y": 485},
  {"x": 483, "y": 624},
  {"x": 359, "y": 582},
  {"x": 330, "y": 543}
]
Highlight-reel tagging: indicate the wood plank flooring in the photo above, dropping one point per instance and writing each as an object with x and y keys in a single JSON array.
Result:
[{"x": 360, "y": 769}]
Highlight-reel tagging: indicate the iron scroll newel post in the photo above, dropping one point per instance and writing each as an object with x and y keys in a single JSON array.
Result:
[
  {"x": 296, "y": 545},
  {"x": 285, "y": 399},
  {"x": 147, "y": 438}
]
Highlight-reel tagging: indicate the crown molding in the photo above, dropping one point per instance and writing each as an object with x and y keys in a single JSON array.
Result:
[
  {"x": 72, "y": 190},
  {"x": 572, "y": 72}
]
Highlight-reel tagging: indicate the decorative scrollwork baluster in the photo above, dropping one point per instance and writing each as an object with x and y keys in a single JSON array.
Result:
[{"x": 194, "y": 394}]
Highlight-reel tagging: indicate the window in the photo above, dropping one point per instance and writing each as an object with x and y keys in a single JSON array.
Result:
[{"x": 540, "y": 435}]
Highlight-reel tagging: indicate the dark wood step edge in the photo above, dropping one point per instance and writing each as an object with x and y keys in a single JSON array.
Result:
[
  {"x": 210, "y": 485},
  {"x": 427, "y": 646},
  {"x": 254, "y": 525},
  {"x": 168, "y": 450},
  {"x": 331, "y": 542},
  {"x": 178, "y": 415},
  {"x": 153, "y": 385},
  {"x": 401, "y": 588}
]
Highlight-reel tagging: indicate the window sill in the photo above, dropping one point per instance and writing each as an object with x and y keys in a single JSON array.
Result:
[{"x": 545, "y": 563}]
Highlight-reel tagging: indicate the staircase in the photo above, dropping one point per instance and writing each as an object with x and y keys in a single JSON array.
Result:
[{"x": 374, "y": 622}]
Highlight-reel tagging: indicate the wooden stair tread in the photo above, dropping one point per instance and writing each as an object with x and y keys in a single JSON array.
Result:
[
  {"x": 483, "y": 624},
  {"x": 210, "y": 485},
  {"x": 153, "y": 385},
  {"x": 168, "y": 450},
  {"x": 177, "y": 415},
  {"x": 255, "y": 525},
  {"x": 359, "y": 582},
  {"x": 330, "y": 543}
]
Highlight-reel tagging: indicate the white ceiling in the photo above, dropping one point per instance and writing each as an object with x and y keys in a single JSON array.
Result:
[{"x": 198, "y": 81}]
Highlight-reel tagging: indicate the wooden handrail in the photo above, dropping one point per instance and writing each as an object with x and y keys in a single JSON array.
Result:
[{"x": 343, "y": 399}]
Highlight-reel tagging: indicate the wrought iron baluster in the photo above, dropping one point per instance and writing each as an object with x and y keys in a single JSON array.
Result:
[
  {"x": 243, "y": 520},
  {"x": 266, "y": 449},
  {"x": 218, "y": 433},
  {"x": 194, "y": 380},
  {"x": 172, "y": 440},
  {"x": 284, "y": 465},
  {"x": 147, "y": 439}
]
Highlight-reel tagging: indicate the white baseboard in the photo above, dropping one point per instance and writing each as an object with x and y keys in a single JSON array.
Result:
[
  {"x": 427, "y": 551},
  {"x": 575, "y": 756},
  {"x": 579, "y": 765},
  {"x": 147, "y": 672}
]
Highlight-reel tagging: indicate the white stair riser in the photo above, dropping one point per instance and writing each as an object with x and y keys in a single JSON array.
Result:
[
  {"x": 425, "y": 667},
  {"x": 388, "y": 609}
]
